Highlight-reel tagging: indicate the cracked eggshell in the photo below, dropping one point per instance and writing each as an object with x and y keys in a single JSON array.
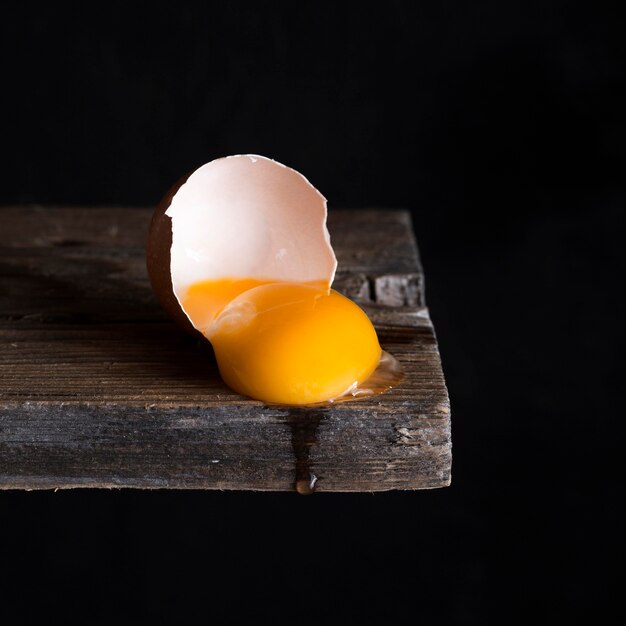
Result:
[{"x": 243, "y": 216}]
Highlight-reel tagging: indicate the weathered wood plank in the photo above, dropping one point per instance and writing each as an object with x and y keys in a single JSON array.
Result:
[{"x": 99, "y": 389}]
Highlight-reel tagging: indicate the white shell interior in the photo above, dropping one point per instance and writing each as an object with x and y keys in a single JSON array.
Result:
[{"x": 248, "y": 216}]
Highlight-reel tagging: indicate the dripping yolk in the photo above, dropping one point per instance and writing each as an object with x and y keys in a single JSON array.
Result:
[
  {"x": 285, "y": 343},
  {"x": 205, "y": 299}
]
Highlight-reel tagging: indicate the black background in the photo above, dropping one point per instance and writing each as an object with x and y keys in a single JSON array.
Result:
[{"x": 500, "y": 125}]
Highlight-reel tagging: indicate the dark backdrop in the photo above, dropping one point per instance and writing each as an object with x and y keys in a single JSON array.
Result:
[{"x": 500, "y": 125}]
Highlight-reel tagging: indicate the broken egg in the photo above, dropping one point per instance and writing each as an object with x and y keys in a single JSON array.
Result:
[{"x": 239, "y": 252}]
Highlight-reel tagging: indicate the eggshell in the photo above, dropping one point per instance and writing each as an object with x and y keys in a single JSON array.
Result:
[
  {"x": 243, "y": 216},
  {"x": 158, "y": 259}
]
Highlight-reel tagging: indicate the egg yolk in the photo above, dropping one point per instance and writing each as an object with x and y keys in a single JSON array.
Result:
[{"x": 285, "y": 343}]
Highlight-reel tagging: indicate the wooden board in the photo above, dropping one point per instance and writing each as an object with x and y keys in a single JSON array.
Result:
[{"x": 99, "y": 389}]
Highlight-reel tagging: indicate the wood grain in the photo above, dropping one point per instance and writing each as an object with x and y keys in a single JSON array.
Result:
[{"x": 99, "y": 389}]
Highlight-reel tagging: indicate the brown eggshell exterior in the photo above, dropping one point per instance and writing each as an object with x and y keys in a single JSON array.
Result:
[{"x": 158, "y": 252}]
